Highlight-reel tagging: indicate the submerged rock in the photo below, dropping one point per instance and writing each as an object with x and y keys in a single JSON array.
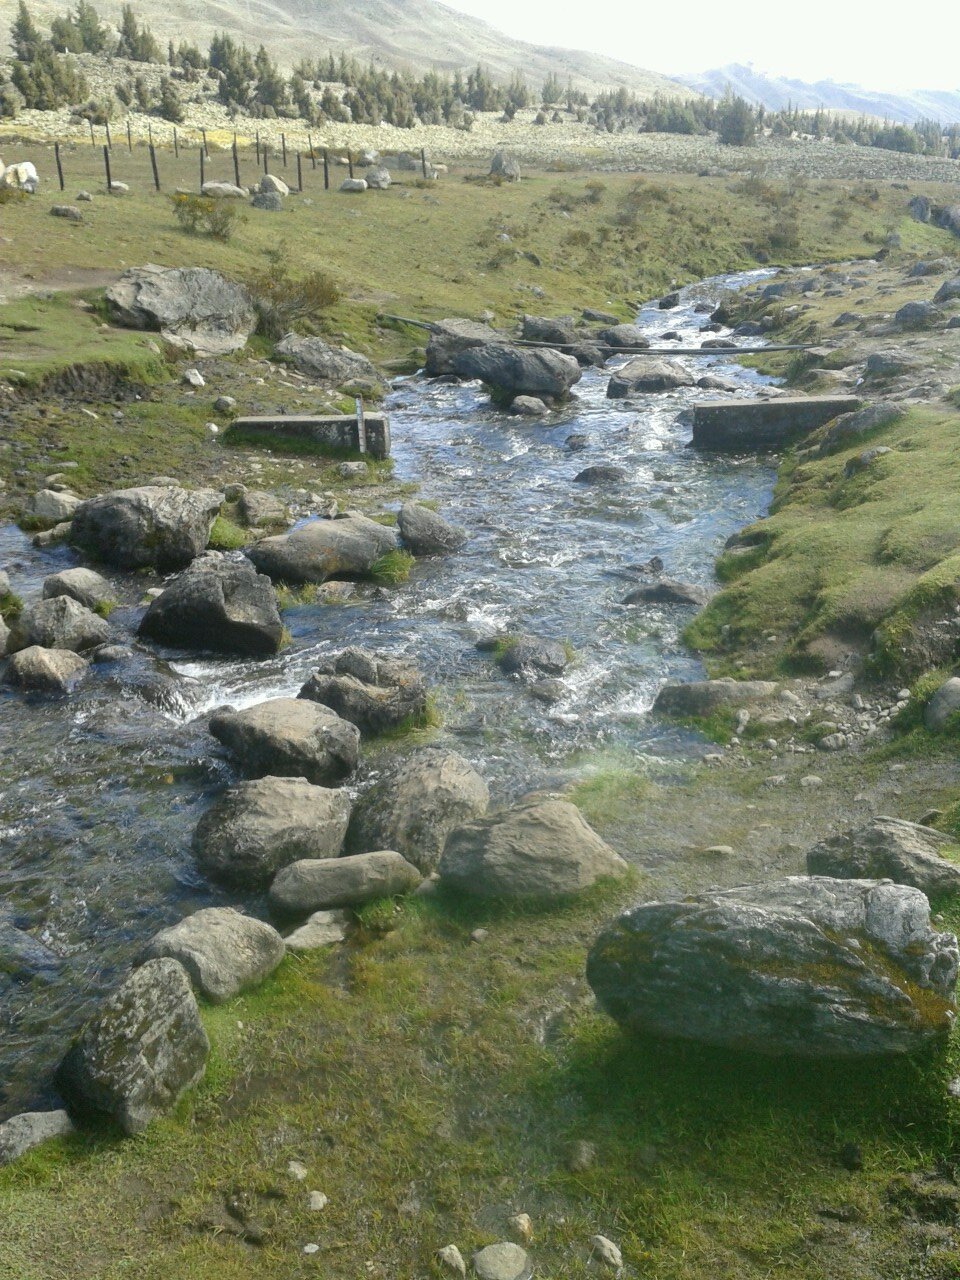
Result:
[
  {"x": 341, "y": 882},
  {"x": 807, "y": 966},
  {"x": 289, "y": 737},
  {"x": 259, "y": 826},
  {"x": 666, "y": 591},
  {"x": 223, "y": 951},
  {"x": 372, "y": 691},
  {"x": 348, "y": 546},
  {"x": 425, "y": 533},
  {"x": 415, "y": 805},
  {"x": 888, "y": 848},
  {"x": 141, "y": 1050},
  {"x": 647, "y": 375},
  {"x": 519, "y": 371},
  {"x": 161, "y": 526},
  {"x": 540, "y": 848},
  {"x": 219, "y": 605}
]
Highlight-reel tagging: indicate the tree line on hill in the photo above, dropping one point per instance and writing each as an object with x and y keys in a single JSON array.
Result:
[{"x": 45, "y": 75}]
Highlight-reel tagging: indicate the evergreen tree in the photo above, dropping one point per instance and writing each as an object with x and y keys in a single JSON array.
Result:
[
  {"x": 136, "y": 43},
  {"x": 171, "y": 108},
  {"x": 24, "y": 36}
]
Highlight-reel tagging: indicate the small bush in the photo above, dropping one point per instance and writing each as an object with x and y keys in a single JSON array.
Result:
[
  {"x": 199, "y": 215},
  {"x": 392, "y": 568},
  {"x": 9, "y": 195},
  {"x": 286, "y": 302}
]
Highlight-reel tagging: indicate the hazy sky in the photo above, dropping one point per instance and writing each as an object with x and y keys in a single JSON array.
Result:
[{"x": 878, "y": 45}]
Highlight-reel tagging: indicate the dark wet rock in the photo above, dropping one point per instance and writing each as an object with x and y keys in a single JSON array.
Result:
[
  {"x": 525, "y": 655},
  {"x": 590, "y": 355},
  {"x": 851, "y": 427},
  {"x": 22, "y": 956},
  {"x": 415, "y": 805},
  {"x": 701, "y": 697},
  {"x": 949, "y": 291},
  {"x": 666, "y": 591},
  {"x": 601, "y": 473},
  {"x": 577, "y": 442},
  {"x": 373, "y": 691},
  {"x": 624, "y": 338},
  {"x": 425, "y": 533},
  {"x": 448, "y": 338},
  {"x": 348, "y": 546},
  {"x": 539, "y": 848},
  {"x": 308, "y": 886},
  {"x": 645, "y": 375},
  {"x": 289, "y": 738},
  {"x": 162, "y": 526},
  {"x": 806, "y": 966},
  {"x": 223, "y": 951},
  {"x": 918, "y": 315},
  {"x": 219, "y": 605},
  {"x": 519, "y": 371},
  {"x": 45, "y": 670},
  {"x": 710, "y": 382},
  {"x": 317, "y": 359},
  {"x": 58, "y": 623},
  {"x": 192, "y": 307},
  {"x": 889, "y": 849},
  {"x": 528, "y": 407},
  {"x": 22, "y": 1133},
  {"x": 259, "y": 826},
  {"x": 931, "y": 267},
  {"x": 669, "y": 301},
  {"x": 83, "y": 585}
]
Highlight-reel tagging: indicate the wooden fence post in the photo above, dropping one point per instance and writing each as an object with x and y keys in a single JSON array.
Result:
[
  {"x": 299, "y": 172},
  {"x": 236, "y": 162},
  {"x": 326, "y": 169},
  {"x": 93, "y": 141},
  {"x": 266, "y": 158},
  {"x": 350, "y": 162},
  {"x": 203, "y": 177},
  {"x": 129, "y": 138},
  {"x": 313, "y": 154},
  {"x": 283, "y": 147},
  {"x": 106, "y": 165},
  {"x": 258, "y": 148},
  {"x": 206, "y": 151},
  {"x": 56, "y": 152},
  {"x": 423, "y": 161},
  {"x": 153, "y": 165},
  {"x": 176, "y": 143},
  {"x": 109, "y": 139}
]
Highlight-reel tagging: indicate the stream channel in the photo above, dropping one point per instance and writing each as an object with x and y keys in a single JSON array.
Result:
[{"x": 100, "y": 791}]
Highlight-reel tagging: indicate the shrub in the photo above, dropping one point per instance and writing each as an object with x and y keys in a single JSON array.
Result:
[
  {"x": 199, "y": 215},
  {"x": 285, "y": 302}
]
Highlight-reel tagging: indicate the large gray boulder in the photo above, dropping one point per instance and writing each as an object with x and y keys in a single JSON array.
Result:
[
  {"x": 83, "y": 585},
  {"x": 258, "y": 826},
  {"x": 807, "y": 966},
  {"x": 519, "y": 371},
  {"x": 162, "y": 526},
  {"x": 58, "y": 623},
  {"x": 21, "y": 1133},
  {"x": 701, "y": 697},
  {"x": 289, "y": 738},
  {"x": 942, "y": 705},
  {"x": 45, "y": 670},
  {"x": 889, "y": 849},
  {"x": 559, "y": 332},
  {"x": 540, "y": 848},
  {"x": 624, "y": 338},
  {"x": 309, "y": 886},
  {"x": 644, "y": 375},
  {"x": 348, "y": 546},
  {"x": 949, "y": 291},
  {"x": 223, "y": 951},
  {"x": 371, "y": 690},
  {"x": 850, "y": 428},
  {"x": 50, "y": 507},
  {"x": 917, "y": 315},
  {"x": 504, "y": 165},
  {"x": 317, "y": 359},
  {"x": 416, "y": 803},
  {"x": 141, "y": 1050},
  {"x": 448, "y": 338},
  {"x": 193, "y": 307},
  {"x": 424, "y": 533},
  {"x": 220, "y": 605}
]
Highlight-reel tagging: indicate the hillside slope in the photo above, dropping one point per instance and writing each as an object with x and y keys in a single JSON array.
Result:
[
  {"x": 776, "y": 92},
  {"x": 417, "y": 33}
]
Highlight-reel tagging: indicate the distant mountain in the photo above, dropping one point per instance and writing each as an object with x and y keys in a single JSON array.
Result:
[
  {"x": 776, "y": 92},
  {"x": 419, "y": 34}
]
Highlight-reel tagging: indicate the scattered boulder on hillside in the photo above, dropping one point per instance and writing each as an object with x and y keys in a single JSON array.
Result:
[
  {"x": 289, "y": 738},
  {"x": 889, "y": 849},
  {"x": 807, "y": 966},
  {"x": 917, "y": 315},
  {"x": 849, "y": 428},
  {"x": 163, "y": 526},
  {"x": 424, "y": 533},
  {"x": 540, "y": 848},
  {"x": 58, "y": 623},
  {"x": 45, "y": 670},
  {"x": 667, "y": 591},
  {"x": 882, "y": 365},
  {"x": 949, "y": 291},
  {"x": 217, "y": 604},
  {"x": 415, "y": 804},
  {"x": 21, "y": 177},
  {"x": 942, "y": 705},
  {"x": 949, "y": 219},
  {"x": 141, "y": 1050},
  {"x": 347, "y": 546},
  {"x": 49, "y": 507},
  {"x": 931, "y": 267},
  {"x": 224, "y": 191},
  {"x": 546, "y": 329},
  {"x": 267, "y": 201},
  {"x": 624, "y": 338},
  {"x": 270, "y": 183},
  {"x": 314, "y": 357},
  {"x": 83, "y": 585},
  {"x": 354, "y": 186},
  {"x": 258, "y": 826},
  {"x": 192, "y": 307},
  {"x": 315, "y": 884},
  {"x": 645, "y": 375},
  {"x": 448, "y": 338},
  {"x": 701, "y": 697},
  {"x": 371, "y": 690},
  {"x": 504, "y": 165},
  {"x": 378, "y": 178},
  {"x": 519, "y": 371},
  {"x": 222, "y": 951},
  {"x": 22, "y": 1133}
]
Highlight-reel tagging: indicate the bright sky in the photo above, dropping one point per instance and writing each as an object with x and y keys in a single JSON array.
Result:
[{"x": 877, "y": 44}]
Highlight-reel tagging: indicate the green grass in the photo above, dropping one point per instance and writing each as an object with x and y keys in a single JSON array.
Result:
[
  {"x": 10, "y": 605},
  {"x": 392, "y": 568},
  {"x": 840, "y": 559},
  {"x": 225, "y": 535}
]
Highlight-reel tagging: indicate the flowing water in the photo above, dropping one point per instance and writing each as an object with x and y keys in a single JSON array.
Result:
[{"x": 99, "y": 793}]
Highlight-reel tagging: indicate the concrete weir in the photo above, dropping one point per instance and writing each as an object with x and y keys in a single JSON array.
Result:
[
  {"x": 367, "y": 433},
  {"x": 750, "y": 426}
]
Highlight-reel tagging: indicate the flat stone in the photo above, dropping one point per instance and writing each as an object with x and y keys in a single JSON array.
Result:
[
  {"x": 316, "y": 884},
  {"x": 223, "y": 951},
  {"x": 504, "y": 1261},
  {"x": 322, "y": 929},
  {"x": 21, "y": 1133}
]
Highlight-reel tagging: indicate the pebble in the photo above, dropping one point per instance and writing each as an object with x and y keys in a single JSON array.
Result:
[
  {"x": 811, "y": 780},
  {"x": 311, "y": 1248},
  {"x": 503, "y": 1261},
  {"x": 581, "y": 1156},
  {"x": 480, "y": 935},
  {"x": 317, "y": 1201},
  {"x": 523, "y": 1226},
  {"x": 719, "y": 851},
  {"x": 296, "y": 1170},
  {"x": 606, "y": 1251},
  {"x": 193, "y": 378},
  {"x": 451, "y": 1258}
]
